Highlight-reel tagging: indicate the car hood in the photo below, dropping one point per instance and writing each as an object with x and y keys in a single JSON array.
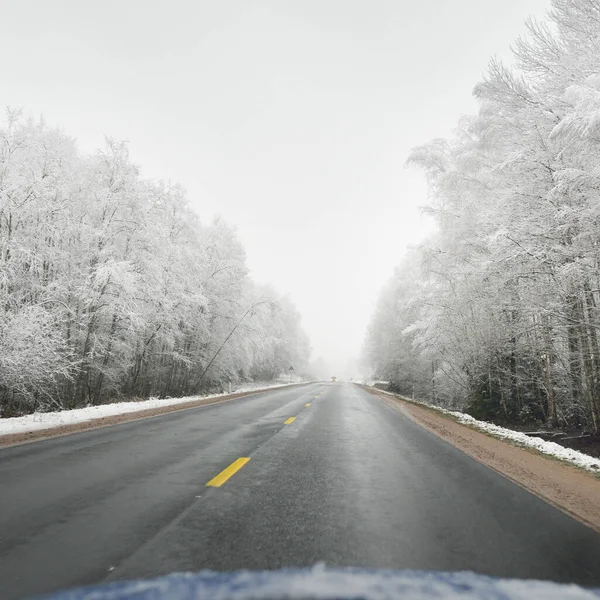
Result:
[{"x": 320, "y": 583}]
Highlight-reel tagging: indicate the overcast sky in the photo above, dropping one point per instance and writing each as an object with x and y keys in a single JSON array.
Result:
[{"x": 290, "y": 118}]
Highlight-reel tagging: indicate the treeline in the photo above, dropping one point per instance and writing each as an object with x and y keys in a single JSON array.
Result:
[
  {"x": 498, "y": 312},
  {"x": 110, "y": 287}
]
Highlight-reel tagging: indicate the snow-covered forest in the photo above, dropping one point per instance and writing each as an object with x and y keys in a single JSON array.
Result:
[
  {"x": 499, "y": 311},
  {"x": 110, "y": 286}
]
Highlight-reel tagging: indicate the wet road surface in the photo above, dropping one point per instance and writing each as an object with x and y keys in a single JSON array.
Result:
[{"x": 334, "y": 475}]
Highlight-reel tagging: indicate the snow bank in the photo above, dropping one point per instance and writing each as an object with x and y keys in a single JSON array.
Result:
[
  {"x": 551, "y": 448},
  {"x": 50, "y": 420},
  {"x": 328, "y": 584}
]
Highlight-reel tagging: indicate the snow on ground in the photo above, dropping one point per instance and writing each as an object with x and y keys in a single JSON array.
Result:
[
  {"x": 320, "y": 583},
  {"x": 50, "y": 420},
  {"x": 551, "y": 448}
]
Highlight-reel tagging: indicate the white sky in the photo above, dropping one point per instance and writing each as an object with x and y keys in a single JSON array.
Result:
[{"x": 291, "y": 118}]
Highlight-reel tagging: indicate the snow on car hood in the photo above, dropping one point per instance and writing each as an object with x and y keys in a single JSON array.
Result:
[{"x": 320, "y": 583}]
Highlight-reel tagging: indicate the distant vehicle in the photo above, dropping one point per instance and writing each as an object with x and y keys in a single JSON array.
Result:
[{"x": 333, "y": 379}]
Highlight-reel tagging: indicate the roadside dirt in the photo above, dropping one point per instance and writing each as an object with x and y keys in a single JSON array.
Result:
[
  {"x": 574, "y": 491},
  {"x": 31, "y": 436}
]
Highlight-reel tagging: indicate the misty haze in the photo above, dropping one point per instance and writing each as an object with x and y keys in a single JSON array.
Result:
[{"x": 301, "y": 298}]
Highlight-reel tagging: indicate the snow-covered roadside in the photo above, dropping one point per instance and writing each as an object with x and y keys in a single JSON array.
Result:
[
  {"x": 551, "y": 448},
  {"x": 51, "y": 420}
]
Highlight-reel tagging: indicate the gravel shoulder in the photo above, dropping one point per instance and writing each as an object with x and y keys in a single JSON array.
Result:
[{"x": 570, "y": 489}]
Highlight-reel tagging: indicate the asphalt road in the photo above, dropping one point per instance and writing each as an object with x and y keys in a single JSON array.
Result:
[{"x": 350, "y": 481}]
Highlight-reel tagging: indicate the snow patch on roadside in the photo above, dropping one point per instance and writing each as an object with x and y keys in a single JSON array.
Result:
[
  {"x": 50, "y": 420},
  {"x": 550, "y": 448}
]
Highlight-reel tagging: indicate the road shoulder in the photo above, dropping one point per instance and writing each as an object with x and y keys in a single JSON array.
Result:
[{"x": 572, "y": 490}]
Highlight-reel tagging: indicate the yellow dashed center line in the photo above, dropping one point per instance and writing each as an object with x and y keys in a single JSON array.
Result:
[
  {"x": 290, "y": 420},
  {"x": 225, "y": 474},
  {"x": 308, "y": 404}
]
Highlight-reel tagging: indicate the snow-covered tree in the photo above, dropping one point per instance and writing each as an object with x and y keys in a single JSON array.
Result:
[
  {"x": 504, "y": 306},
  {"x": 110, "y": 286}
]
